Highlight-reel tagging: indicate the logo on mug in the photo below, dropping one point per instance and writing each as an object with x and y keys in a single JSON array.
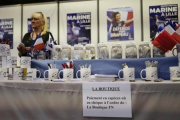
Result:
[
  {"x": 13, "y": 62},
  {"x": 172, "y": 72},
  {"x": 69, "y": 75},
  {"x": 54, "y": 75},
  {"x": 24, "y": 62},
  {"x": 154, "y": 74},
  {"x": 86, "y": 74},
  {"x": 3, "y": 74},
  {"x": 19, "y": 74},
  {"x": 2, "y": 49},
  {"x": 178, "y": 74},
  {"x": 131, "y": 74},
  {"x": 29, "y": 73}
]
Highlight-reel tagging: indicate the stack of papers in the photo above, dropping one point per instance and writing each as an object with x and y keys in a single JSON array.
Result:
[{"x": 102, "y": 78}]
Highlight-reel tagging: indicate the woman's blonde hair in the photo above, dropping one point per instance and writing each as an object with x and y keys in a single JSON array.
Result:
[{"x": 40, "y": 15}]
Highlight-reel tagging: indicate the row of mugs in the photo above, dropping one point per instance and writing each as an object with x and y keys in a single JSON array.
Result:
[
  {"x": 18, "y": 73},
  {"x": 11, "y": 62},
  {"x": 129, "y": 73},
  {"x": 68, "y": 74}
]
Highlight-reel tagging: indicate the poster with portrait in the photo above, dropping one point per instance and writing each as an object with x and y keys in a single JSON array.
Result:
[
  {"x": 120, "y": 25},
  {"x": 79, "y": 28},
  {"x": 6, "y": 30},
  {"x": 30, "y": 27},
  {"x": 159, "y": 15}
]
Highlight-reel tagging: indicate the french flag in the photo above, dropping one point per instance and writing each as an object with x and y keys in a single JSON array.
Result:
[
  {"x": 50, "y": 44},
  {"x": 39, "y": 44}
]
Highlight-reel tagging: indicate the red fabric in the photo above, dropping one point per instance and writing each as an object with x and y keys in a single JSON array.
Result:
[
  {"x": 39, "y": 46},
  {"x": 176, "y": 37}
]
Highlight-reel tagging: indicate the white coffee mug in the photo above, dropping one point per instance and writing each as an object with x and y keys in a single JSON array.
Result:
[
  {"x": 4, "y": 50},
  {"x": 128, "y": 74},
  {"x": 18, "y": 74},
  {"x": 11, "y": 62},
  {"x": 3, "y": 74},
  {"x": 68, "y": 74},
  {"x": 52, "y": 74},
  {"x": 31, "y": 73},
  {"x": 174, "y": 72},
  {"x": 85, "y": 74},
  {"x": 151, "y": 73},
  {"x": 25, "y": 62}
]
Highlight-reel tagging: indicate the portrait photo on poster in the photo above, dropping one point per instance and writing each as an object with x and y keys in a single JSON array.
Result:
[
  {"x": 6, "y": 31},
  {"x": 79, "y": 28},
  {"x": 30, "y": 27},
  {"x": 161, "y": 14},
  {"x": 120, "y": 25}
]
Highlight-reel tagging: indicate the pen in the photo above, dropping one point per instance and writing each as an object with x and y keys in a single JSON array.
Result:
[
  {"x": 54, "y": 66},
  {"x": 49, "y": 65}
]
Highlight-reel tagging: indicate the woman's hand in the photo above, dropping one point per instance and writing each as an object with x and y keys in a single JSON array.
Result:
[{"x": 22, "y": 50}]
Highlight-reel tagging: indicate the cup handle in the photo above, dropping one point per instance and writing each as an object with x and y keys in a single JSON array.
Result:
[
  {"x": 44, "y": 74},
  {"x": 119, "y": 73},
  {"x": 59, "y": 73},
  {"x": 141, "y": 73},
  {"x": 173, "y": 51},
  {"x": 77, "y": 73},
  {"x": 39, "y": 73}
]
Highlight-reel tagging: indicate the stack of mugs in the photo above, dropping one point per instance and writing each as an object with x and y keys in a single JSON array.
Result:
[{"x": 4, "y": 54}]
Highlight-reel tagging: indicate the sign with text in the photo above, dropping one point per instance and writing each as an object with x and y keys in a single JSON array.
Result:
[{"x": 107, "y": 100}]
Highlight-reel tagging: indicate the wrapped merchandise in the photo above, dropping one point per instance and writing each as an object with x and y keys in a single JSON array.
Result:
[
  {"x": 66, "y": 52},
  {"x": 116, "y": 51},
  {"x": 157, "y": 52},
  {"x": 90, "y": 52},
  {"x": 78, "y": 52},
  {"x": 103, "y": 52},
  {"x": 144, "y": 50},
  {"x": 131, "y": 50},
  {"x": 56, "y": 54}
]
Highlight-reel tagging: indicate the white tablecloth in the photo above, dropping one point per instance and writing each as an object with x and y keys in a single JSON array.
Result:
[{"x": 26, "y": 100}]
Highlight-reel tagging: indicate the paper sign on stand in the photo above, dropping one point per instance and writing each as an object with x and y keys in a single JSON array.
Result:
[{"x": 107, "y": 100}]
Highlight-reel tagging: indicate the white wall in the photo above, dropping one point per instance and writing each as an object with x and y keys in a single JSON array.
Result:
[
  {"x": 78, "y": 7},
  {"x": 146, "y": 27},
  {"x": 15, "y": 13},
  {"x": 48, "y": 9},
  {"x": 104, "y": 5}
]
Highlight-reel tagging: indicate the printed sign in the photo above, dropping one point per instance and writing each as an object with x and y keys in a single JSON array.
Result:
[
  {"x": 161, "y": 14},
  {"x": 79, "y": 28},
  {"x": 107, "y": 99},
  {"x": 120, "y": 26},
  {"x": 6, "y": 30}
]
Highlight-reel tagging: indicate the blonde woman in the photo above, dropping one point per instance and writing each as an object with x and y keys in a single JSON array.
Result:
[{"x": 39, "y": 25}]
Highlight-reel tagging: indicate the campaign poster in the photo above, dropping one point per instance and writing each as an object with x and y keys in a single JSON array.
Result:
[
  {"x": 120, "y": 25},
  {"x": 6, "y": 30},
  {"x": 159, "y": 15},
  {"x": 30, "y": 27},
  {"x": 79, "y": 28}
]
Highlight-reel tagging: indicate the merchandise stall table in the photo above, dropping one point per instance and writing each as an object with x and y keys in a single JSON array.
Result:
[
  {"x": 112, "y": 66},
  {"x": 28, "y": 100}
]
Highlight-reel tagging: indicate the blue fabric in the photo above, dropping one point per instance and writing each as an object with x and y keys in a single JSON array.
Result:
[{"x": 112, "y": 66}]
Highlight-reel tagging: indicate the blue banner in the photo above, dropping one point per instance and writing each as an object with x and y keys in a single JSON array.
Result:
[
  {"x": 6, "y": 30},
  {"x": 79, "y": 28},
  {"x": 161, "y": 14},
  {"x": 120, "y": 26}
]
